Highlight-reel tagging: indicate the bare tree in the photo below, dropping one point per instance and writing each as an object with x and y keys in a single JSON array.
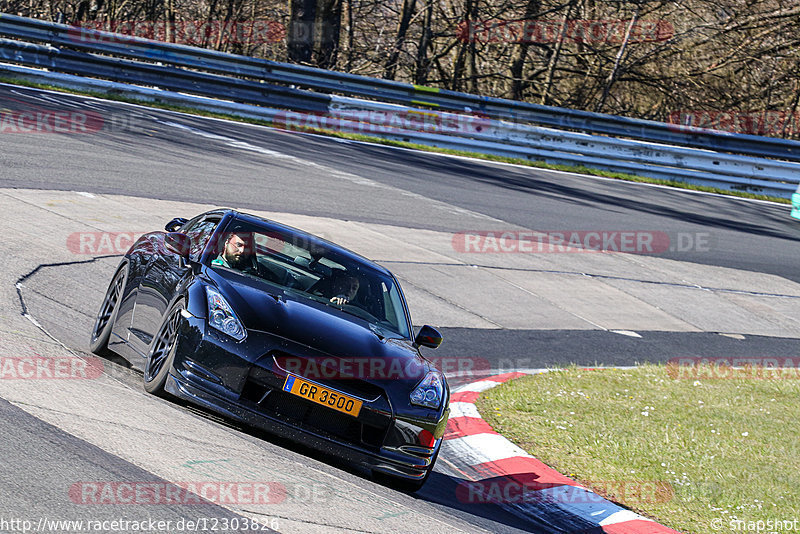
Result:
[
  {"x": 518, "y": 59},
  {"x": 302, "y": 15},
  {"x": 406, "y": 13},
  {"x": 329, "y": 25}
]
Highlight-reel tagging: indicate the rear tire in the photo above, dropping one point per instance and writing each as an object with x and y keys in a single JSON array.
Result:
[
  {"x": 107, "y": 315},
  {"x": 162, "y": 352}
]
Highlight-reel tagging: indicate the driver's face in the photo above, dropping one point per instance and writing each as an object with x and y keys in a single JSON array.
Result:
[{"x": 234, "y": 249}]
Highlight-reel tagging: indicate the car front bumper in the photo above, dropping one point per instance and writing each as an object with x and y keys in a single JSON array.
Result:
[{"x": 394, "y": 449}]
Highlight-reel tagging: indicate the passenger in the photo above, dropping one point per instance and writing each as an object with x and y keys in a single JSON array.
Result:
[{"x": 344, "y": 288}]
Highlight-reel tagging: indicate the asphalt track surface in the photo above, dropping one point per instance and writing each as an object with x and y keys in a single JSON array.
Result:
[
  {"x": 154, "y": 154},
  {"x": 183, "y": 166}
]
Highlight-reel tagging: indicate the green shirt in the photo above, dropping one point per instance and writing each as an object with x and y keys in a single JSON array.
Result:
[{"x": 220, "y": 260}]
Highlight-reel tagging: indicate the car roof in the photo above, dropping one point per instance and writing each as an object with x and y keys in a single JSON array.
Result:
[{"x": 347, "y": 253}]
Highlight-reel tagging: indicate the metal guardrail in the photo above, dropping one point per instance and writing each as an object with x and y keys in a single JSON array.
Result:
[
  {"x": 172, "y": 78},
  {"x": 343, "y": 117},
  {"x": 391, "y": 91},
  {"x": 664, "y": 150}
]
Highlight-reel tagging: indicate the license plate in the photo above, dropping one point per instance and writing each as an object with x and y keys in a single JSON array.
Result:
[{"x": 322, "y": 395}]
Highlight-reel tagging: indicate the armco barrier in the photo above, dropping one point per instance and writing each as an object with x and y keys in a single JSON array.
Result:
[
  {"x": 173, "y": 78},
  {"x": 390, "y": 91},
  {"x": 512, "y": 128}
]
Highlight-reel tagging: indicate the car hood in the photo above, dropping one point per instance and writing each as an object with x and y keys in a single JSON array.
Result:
[{"x": 323, "y": 328}]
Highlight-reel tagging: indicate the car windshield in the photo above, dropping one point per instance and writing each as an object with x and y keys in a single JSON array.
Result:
[{"x": 310, "y": 268}]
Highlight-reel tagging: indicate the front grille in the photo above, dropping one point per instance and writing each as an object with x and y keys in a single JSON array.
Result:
[
  {"x": 372, "y": 435},
  {"x": 312, "y": 370},
  {"x": 356, "y": 387},
  {"x": 313, "y": 417},
  {"x": 254, "y": 391}
]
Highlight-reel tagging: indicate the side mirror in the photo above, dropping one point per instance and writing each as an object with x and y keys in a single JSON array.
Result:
[
  {"x": 178, "y": 243},
  {"x": 428, "y": 337},
  {"x": 174, "y": 224}
]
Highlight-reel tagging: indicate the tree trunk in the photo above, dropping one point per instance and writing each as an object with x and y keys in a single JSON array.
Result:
[
  {"x": 467, "y": 48},
  {"x": 212, "y": 8},
  {"x": 422, "y": 64},
  {"x": 551, "y": 67},
  {"x": 350, "y": 36},
  {"x": 407, "y": 12},
  {"x": 169, "y": 23},
  {"x": 329, "y": 23},
  {"x": 302, "y": 14},
  {"x": 613, "y": 74},
  {"x": 792, "y": 115},
  {"x": 532, "y": 8}
]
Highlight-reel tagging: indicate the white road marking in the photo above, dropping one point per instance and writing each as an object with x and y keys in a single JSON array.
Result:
[
  {"x": 354, "y": 178},
  {"x": 628, "y": 333}
]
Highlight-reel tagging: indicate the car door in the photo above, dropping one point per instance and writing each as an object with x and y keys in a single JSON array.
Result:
[{"x": 161, "y": 278}]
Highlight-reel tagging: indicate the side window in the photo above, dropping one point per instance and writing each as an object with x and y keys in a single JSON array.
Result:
[
  {"x": 199, "y": 232},
  {"x": 191, "y": 224}
]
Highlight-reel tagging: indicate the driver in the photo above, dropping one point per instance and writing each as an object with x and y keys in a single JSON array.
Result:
[{"x": 238, "y": 254}]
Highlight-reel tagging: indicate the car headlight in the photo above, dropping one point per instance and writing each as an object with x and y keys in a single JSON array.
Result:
[
  {"x": 221, "y": 316},
  {"x": 430, "y": 391}
]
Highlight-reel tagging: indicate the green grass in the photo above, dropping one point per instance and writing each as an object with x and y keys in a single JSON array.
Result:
[
  {"x": 359, "y": 137},
  {"x": 728, "y": 448}
]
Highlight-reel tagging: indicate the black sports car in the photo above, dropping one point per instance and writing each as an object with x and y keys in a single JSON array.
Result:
[{"x": 282, "y": 330}]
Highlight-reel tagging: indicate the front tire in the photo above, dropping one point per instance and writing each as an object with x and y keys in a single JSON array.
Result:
[
  {"x": 162, "y": 352},
  {"x": 107, "y": 315}
]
